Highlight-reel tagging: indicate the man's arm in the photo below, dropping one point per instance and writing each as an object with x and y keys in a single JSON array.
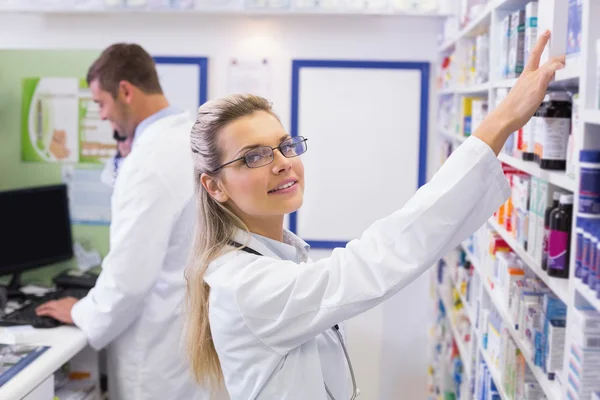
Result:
[{"x": 143, "y": 214}]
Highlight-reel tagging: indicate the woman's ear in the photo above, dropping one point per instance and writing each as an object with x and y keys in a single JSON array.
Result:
[{"x": 211, "y": 185}]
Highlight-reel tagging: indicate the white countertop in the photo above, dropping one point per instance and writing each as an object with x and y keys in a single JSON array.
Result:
[{"x": 64, "y": 341}]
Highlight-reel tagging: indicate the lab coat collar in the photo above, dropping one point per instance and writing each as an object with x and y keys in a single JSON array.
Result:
[
  {"x": 160, "y": 125},
  {"x": 146, "y": 123},
  {"x": 265, "y": 248}
]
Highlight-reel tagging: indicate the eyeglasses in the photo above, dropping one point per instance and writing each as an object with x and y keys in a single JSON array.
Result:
[{"x": 263, "y": 155}]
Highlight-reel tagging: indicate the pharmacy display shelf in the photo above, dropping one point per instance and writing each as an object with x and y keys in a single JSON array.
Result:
[
  {"x": 556, "y": 178},
  {"x": 504, "y": 83},
  {"x": 551, "y": 389},
  {"x": 481, "y": 22},
  {"x": 592, "y": 117},
  {"x": 588, "y": 294},
  {"x": 567, "y": 77},
  {"x": 480, "y": 88},
  {"x": 473, "y": 28},
  {"x": 464, "y": 302},
  {"x": 559, "y": 286},
  {"x": 493, "y": 369},
  {"x": 564, "y": 78},
  {"x": 462, "y": 347},
  {"x": 260, "y": 11}
]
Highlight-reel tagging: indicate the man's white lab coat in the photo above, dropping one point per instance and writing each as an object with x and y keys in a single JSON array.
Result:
[{"x": 136, "y": 306}]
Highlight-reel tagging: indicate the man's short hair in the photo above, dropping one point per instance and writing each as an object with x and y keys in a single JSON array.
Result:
[{"x": 125, "y": 62}]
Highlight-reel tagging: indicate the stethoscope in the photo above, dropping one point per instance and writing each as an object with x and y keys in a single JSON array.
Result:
[{"x": 335, "y": 328}]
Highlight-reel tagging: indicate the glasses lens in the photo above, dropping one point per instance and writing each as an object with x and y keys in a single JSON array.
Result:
[
  {"x": 258, "y": 157},
  {"x": 293, "y": 147}
]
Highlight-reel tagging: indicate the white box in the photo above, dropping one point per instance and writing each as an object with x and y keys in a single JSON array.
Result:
[
  {"x": 531, "y": 28},
  {"x": 553, "y": 15},
  {"x": 533, "y": 223}
]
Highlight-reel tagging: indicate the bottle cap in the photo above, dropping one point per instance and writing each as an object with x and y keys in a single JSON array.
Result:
[
  {"x": 566, "y": 199},
  {"x": 589, "y": 156},
  {"x": 557, "y": 96},
  {"x": 556, "y": 195}
]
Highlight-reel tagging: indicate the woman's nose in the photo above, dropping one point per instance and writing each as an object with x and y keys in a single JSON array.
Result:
[{"x": 280, "y": 163}]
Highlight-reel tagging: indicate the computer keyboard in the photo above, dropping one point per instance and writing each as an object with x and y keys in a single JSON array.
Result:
[{"x": 25, "y": 314}]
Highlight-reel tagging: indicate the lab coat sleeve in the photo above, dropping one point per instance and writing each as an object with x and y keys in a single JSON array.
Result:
[
  {"x": 143, "y": 212},
  {"x": 285, "y": 304}
]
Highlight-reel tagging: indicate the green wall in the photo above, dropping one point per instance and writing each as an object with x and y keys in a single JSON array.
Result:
[{"x": 15, "y": 65}]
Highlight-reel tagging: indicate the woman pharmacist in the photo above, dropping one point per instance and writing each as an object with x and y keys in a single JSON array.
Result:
[{"x": 263, "y": 318}]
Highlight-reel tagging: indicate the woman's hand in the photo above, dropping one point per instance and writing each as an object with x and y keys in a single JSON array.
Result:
[{"x": 523, "y": 99}]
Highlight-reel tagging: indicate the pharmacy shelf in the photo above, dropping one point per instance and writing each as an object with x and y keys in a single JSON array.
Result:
[
  {"x": 557, "y": 178},
  {"x": 447, "y": 91},
  {"x": 591, "y": 117},
  {"x": 480, "y": 23},
  {"x": 462, "y": 349},
  {"x": 551, "y": 388},
  {"x": 588, "y": 294},
  {"x": 481, "y": 88},
  {"x": 565, "y": 78},
  {"x": 454, "y": 137},
  {"x": 290, "y": 11},
  {"x": 493, "y": 370},
  {"x": 559, "y": 286},
  {"x": 472, "y": 28},
  {"x": 504, "y": 83}
]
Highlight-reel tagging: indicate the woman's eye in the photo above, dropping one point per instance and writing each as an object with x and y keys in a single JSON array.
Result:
[
  {"x": 288, "y": 149},
  {"x": 253, "y": 158}
]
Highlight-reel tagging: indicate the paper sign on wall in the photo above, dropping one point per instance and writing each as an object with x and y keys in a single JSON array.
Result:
[
  {"x": 89, "y": 197},
  {"x": 61, "y": 124},
  {"x": 249, "y": 76}
]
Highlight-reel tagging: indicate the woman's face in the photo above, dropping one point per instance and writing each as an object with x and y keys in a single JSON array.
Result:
[{"x": 272, "y": 190}]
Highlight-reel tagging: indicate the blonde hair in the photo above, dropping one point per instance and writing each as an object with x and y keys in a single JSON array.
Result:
[{"x": 215, "y": 227}]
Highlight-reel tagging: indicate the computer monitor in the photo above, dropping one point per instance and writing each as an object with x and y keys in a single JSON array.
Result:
[{"x": 35, "y": 229}]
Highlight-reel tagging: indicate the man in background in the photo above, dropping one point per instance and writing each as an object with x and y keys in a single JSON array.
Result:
[{"x": 135, "y": 309}]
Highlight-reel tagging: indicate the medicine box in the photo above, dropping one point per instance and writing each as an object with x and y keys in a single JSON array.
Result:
[
  {"x": 504, "y": 48},
  {"x": 516, "y": 44},
  {"x": 574, "y": 28},
  {"x": 531, "y": 28},
  {"x": 532, "y": 231},
  {"x": 553, "y": 16},
  {"x": 586, "y": 319},
  {"x": 598, "y": 73}
]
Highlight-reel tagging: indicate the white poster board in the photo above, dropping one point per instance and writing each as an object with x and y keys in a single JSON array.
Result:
[{"x": 364, "y": 131}]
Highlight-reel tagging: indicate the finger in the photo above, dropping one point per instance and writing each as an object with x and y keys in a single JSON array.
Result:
[
  {"x": 46, "y": 313},
  {"x": 550, "y": 68},
  {"x": 45, "y": 306},
  {"x": 534, "y": 58}
]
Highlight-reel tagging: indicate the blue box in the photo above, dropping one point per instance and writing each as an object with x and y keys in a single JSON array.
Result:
[{"x": 574, "y": 27}]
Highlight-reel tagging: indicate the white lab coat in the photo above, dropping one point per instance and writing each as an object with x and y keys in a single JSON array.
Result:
[
  {"x": 136, "y": 306},
  {"x": 271, "y": 318}
]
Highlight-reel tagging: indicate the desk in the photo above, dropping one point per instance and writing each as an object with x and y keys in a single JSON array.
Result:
[{"x": 66, "y": 343}]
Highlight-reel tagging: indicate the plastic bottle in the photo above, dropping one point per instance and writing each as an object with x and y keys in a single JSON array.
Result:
[
  {"x": 589, "y": 183},
  {"x": 585, "y": 253},
  {"x": 549, "y": 209},
  {"x": 591, "y": 267},
  {"x": 559, "y": 239},
  {"x": 553, "y": 125},
  {"x": 580, "y": 228},
  {"x": 593, "y": 274}
]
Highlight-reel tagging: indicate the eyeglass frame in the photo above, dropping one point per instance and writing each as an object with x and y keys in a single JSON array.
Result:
[{"x": 243, "y": 157}]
